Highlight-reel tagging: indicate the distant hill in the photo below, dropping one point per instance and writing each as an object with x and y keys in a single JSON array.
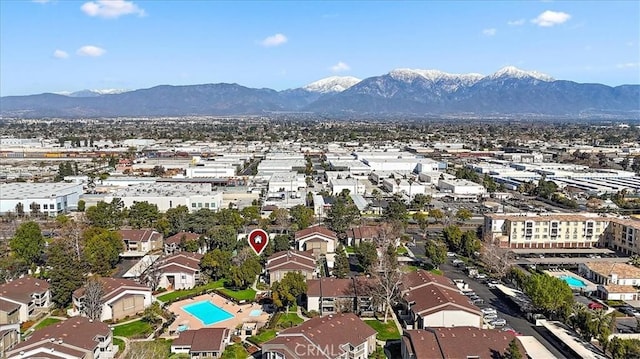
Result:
[{"x": 508, "y": 92}]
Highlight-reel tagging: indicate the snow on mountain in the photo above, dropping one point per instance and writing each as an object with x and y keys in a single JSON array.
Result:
[
  {"x": 332, "y": 84},
  {"x": 514, "y": 72},
  {"x": 93, "y": 93},
  {"x": 449, "y": 82}
]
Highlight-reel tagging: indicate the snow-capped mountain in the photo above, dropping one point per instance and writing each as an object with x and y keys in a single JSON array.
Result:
[
  {"x": 94, "y": 93},
  {"x": 332, "y": 84},
  {"x": 509, "y": 92},
  {"x": 514, "y": 72}
]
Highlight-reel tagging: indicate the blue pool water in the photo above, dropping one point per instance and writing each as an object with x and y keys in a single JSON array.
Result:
[
  {"x": 573, "y": 282},
  {"x": 182, "y": 328},
  {"x": 255, "y": 313},
  {"x": 207, "y": 312}
]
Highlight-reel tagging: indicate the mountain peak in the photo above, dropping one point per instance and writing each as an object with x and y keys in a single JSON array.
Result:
[
  {"x": 332, "y": 84},
  {"x": 512, "y": 71},
  {"x": 405, "y": 74}
]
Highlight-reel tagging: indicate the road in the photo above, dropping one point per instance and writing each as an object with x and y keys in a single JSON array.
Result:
[{"x": 512, "y": 316}]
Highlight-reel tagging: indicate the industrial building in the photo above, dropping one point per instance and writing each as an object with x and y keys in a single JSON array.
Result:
[{"x": 49, "y": 198}]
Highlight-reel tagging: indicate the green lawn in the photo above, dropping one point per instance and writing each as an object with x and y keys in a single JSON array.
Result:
[
  {"x": 349, "y": 250},
  {"x": 244, "y": 294},
  {"x": 402, "y": 251},
  {"x": 46, "y": 322},
  {"x": 235, "y": 351},
  {"x": 387, "y": 331},
  {"x": 288, "y": 320},
  {"x": 293, "y": 308},
  {"x": 265, "y": 336},
  {"x": 178, "y": 294},
  {"x": 137, "y": 329},
  {"x": 120, "y": 344}
]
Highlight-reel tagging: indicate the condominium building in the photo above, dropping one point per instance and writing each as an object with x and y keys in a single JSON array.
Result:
[
  {"x": 552, "y": 230},
  {"x": 623, "y": 235}
]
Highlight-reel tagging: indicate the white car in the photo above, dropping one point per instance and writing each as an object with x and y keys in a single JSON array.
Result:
[
  {"x": 490, "y": 317},
  {"x": 486, "y": 311},
  {"x": 451, "y": 254},
  {"x": 500, "y": 322}
]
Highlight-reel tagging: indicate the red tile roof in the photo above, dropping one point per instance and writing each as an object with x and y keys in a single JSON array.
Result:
[
  {"x": 364, "y": 232},
  {"x": 293, "y": 260},
  {"x": 203, "y": 340},
  {"x": 20, "y": 290},
  {"x": 182, "y": 259},
  {"x": 330, "y": 287},
  {"x": 79, "y": 332},
  {"x": 113, "y": 287},
  {"x": 140, "y": 235},
  {"x": 459, "y": 342},
  {"x": 328, "y": 333},
  {"x": 315, "y": 230},
  {"x": 177, "y": 238}
]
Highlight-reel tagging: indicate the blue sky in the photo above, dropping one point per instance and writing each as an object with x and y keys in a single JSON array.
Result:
[{"x": 64, "y": 45}]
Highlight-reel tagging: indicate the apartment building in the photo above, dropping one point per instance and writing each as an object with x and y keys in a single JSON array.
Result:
[
  {"x": 545, "y": 230},
  {"x": 22, "y": 299},
  {"x": 623, "y": 234},
  {"x": 616, "y": 281},
  {"x": 281, "y": 263},
  {"x": 329, "y": 296},
  {"x": 121, "y": 298},
  {"x": 336, "y": 336}
]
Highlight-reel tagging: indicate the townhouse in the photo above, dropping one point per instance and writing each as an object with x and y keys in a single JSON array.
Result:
[
  {"x": 138, "y": 242},
  {"x": 121, "y": 298},
  {"x": 75, "y": 338},
  {"x": 173, "y": 244},
  {"x": 202, "y": 343},
  {"x": 177, "y": 271},
  {"x": 280, "y": 263},
  {"x": 23, "y": 299},
  {"x": 320, "y": 240},
  {"x": 336, "y": 336},
  {"x": 329, "y": 296}
]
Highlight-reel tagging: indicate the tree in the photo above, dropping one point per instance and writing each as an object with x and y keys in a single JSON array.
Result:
[
  {"x": 66, "y": 270},
  {"x": 28, "y": 244},
  {"x": 251, "y": 214},
  {"x": 106, "y": 215},
  {"x": 301, "y": 216},
  {"x": 341, "y": 265},
  {"x": 342, "y": 214},
  {"x": 396, "y": 211},
  {"x": 216, "y": 263},
  {"x": 143, "y": 215},
  {"x": 290, "y": 287},
  {"x": 513, "y": 351},
  {"x": 244, "y": 269},
  {"x": 223, "y": 237},
  {"x": 281, "y": 242},
  {"x": 470, "y": 243},
  {"x": 93, "y": 293},
  {"x": 81, "y": 205},
  {"x": 436, "y": 214},
  {"x": 178, "y": 218},
  {"x": 548, "y": 293},
  {"x": 229, "y": 217},
  {"x": 153, "y": 313},
  {"x": 367, "y": 255},
  {"x": 102, "y": 249},
  {"x": 388, "y": 279},
  {"x": 420, "y": 201},
  {"x": 280, "y": 217},
  {"x": 463, "y": 215},
  {"x": 157, "y": 171},
  {"x": 453, "y": 237},
  {"x": 437, "y": 252},
  {"x": 497, "y": 260}
]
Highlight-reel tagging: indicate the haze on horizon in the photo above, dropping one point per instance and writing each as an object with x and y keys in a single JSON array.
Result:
[{"x": 56, "y": 46}]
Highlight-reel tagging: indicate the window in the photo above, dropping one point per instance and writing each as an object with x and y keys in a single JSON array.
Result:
[
  {"x": 45, "y": 206},
  {"x": 199, "y": 204},
  {"x": 206, "y": 205},
  {"x": 213, "y": 205},
  {"x": 193, "y": 205}
]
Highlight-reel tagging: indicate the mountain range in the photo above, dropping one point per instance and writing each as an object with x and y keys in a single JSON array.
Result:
[{"x": 410, "y": 92}]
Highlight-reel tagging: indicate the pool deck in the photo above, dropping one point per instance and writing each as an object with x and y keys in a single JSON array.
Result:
[
  {"x": 241, "y": 313},
  {"x": 590, "y": 286}
]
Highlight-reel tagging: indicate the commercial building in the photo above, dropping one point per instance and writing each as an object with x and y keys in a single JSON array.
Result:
[
  {"x": 546, "y": 230},
  {"x": 461, "y": 186},
  {"x": 49, "y": 198},
  {"x": 166, "y": 195}
]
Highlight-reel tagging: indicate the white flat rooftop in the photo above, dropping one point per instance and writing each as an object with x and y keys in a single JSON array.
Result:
[{"x": 21, "y": 190}]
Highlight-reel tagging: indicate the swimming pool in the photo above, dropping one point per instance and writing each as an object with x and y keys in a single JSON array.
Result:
[
  {"x": 255, "y": 313},
  {"x": 573, "y": 282},
  {"x": 207, "y": 312}
]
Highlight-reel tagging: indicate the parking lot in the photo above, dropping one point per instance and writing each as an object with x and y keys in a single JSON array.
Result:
[{"x": 512, "y": 316}]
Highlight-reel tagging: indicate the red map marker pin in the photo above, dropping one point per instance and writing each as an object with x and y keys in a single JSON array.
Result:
[{"x": 258, "y": 240}]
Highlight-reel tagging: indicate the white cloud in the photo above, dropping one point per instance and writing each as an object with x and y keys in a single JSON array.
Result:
[
  {"x": 489, "y": 32},
  {"x": 340, "y": 67},
  {"x": 111, "y": 9},
  {"x": 628, "y": 65},
  {"x": 518, "y": 22},
  {"x": 274, "y": 40},
  {"x": 550, "y": 18},
  {"x": 90, "y": 50},
  {"x": 60, "y": 54}
]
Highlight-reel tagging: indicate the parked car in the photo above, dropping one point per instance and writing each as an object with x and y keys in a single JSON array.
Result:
[
  {"x": 492, "y": 284},
  {"x": 595, "y": 305},
  {"x": 500, "y": 322},
  {"x": 490, "y": 317},
  {"x": 478, "y": 301},
  {"x": 451, "y": 254},
  {"x": 481, "y": 276},
  {"x": 457, "y": 262},
  {"x": 470, "y": 293},
  {"x": 488, "y": 310}
]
